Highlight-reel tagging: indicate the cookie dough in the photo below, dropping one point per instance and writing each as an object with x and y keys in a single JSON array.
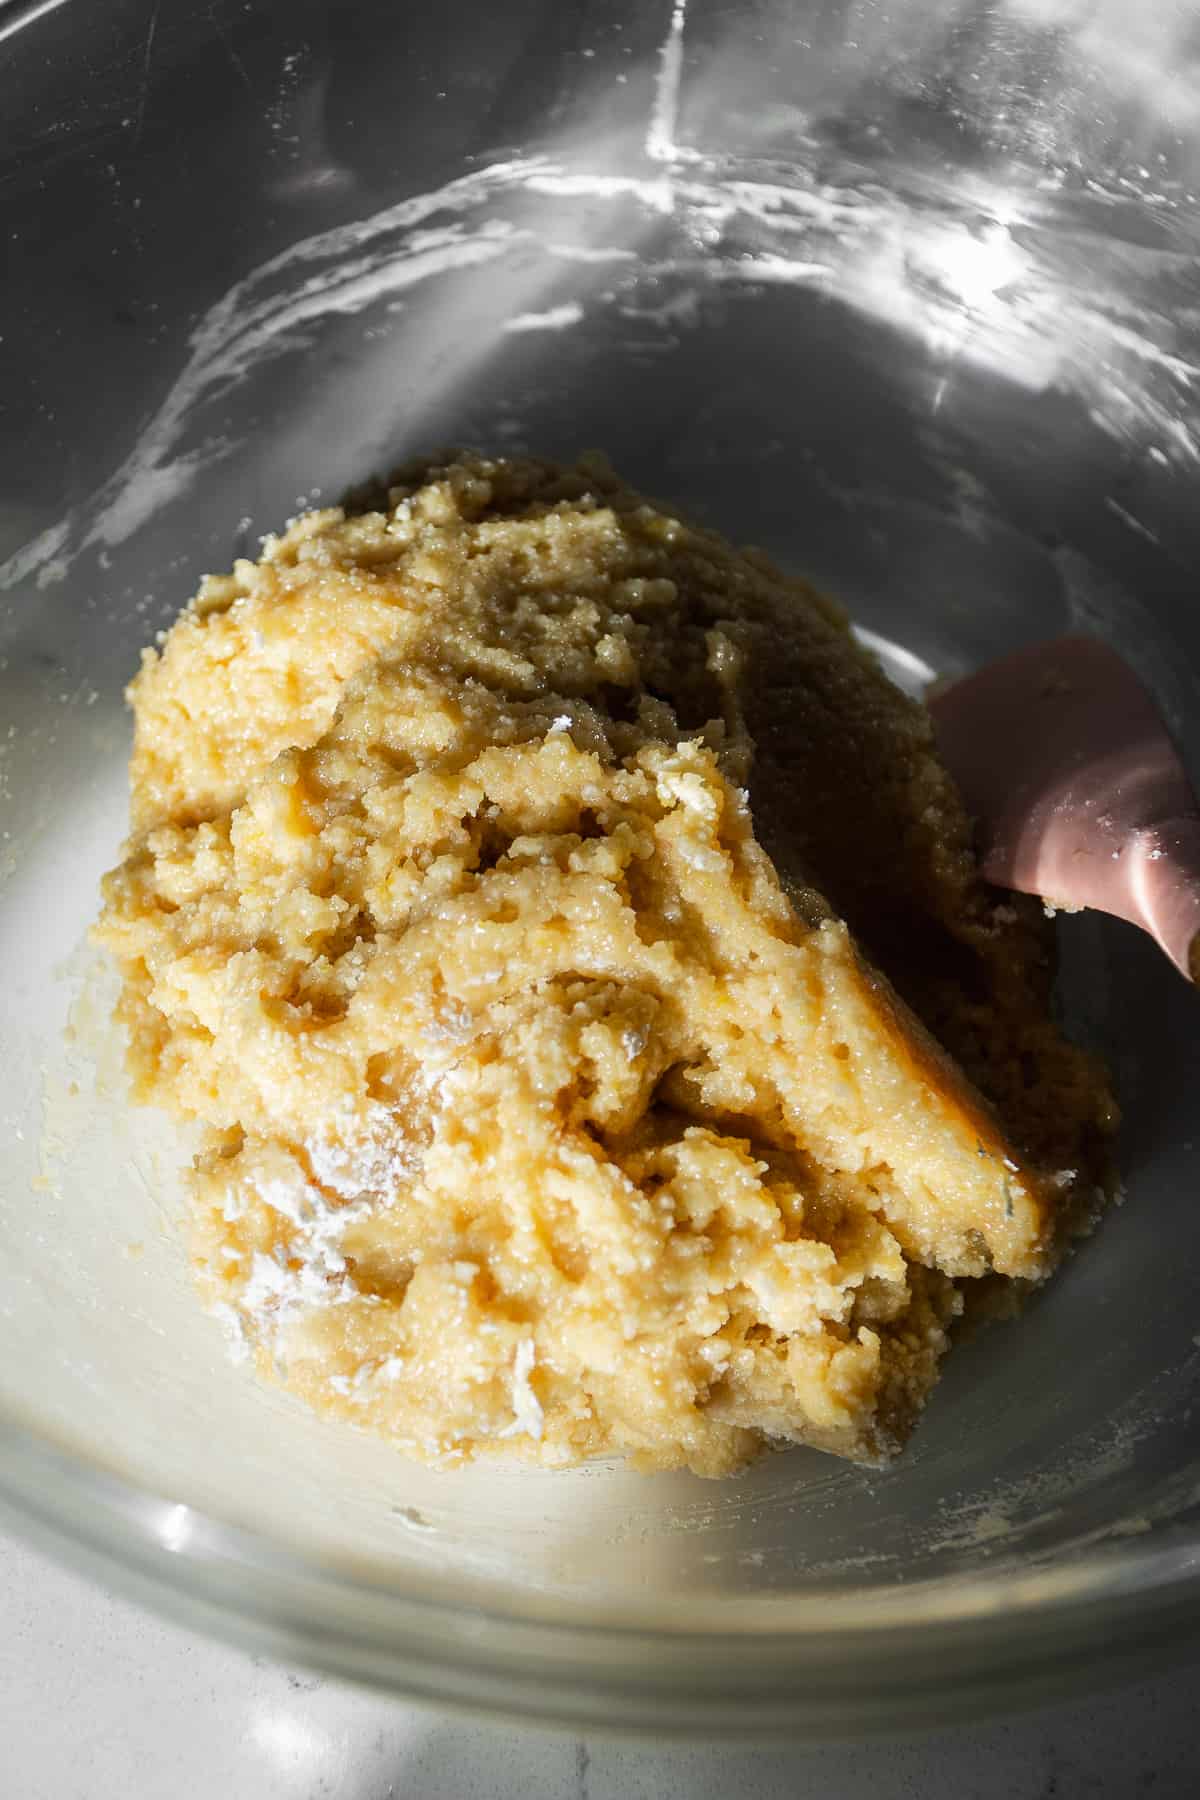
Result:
[{"x": 521, "y": 891}]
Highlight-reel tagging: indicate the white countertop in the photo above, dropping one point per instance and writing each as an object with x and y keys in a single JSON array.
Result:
[{"x": 99, "y": 1699}]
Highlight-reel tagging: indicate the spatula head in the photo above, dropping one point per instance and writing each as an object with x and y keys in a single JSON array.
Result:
[{"x": 1078, "y": 792}]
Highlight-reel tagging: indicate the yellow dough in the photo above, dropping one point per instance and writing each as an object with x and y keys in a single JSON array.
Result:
[{"x": 519, "y": 888}]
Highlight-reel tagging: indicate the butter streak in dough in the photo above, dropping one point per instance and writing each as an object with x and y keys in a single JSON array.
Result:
[{"x": 544, "y": 1118}]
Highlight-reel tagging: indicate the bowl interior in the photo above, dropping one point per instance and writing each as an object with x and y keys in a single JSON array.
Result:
[{"x": 940, "y": 384}]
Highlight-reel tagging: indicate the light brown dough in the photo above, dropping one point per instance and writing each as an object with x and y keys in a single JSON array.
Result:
[{"x": 548, "y": 1115}]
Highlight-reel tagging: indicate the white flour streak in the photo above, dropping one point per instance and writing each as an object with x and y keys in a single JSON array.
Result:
[
  {"x": 664, "y": 114},
  {"x": 591, "y": 253},
  {"x": 777, "y": 269},
  {"x": 656, "y": 194},
  {"x": 237, "y": 337},
  {"x": 37, "y": 557},
  {"x": 940, "y": 264},
  {"x": 147, "y": 487},
  {"x": 337, "y": 272},
  {"x": 1127, "y": 518},
  {"x": 528, "y": 1417},
  {"x": 557, "y": 318}
]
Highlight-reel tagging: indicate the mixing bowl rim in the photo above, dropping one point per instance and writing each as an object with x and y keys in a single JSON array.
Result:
[{"x": 1022, "y": 1638}]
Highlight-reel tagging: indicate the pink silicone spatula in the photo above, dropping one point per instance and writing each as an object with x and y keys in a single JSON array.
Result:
[{"x": 1078, "y": 793}]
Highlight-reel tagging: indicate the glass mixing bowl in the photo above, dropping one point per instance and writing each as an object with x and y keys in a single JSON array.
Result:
[{"x": 908, "y": 295}]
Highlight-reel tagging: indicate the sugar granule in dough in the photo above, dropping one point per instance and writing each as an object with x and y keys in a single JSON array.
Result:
[{"x": 521, "y": 891}]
